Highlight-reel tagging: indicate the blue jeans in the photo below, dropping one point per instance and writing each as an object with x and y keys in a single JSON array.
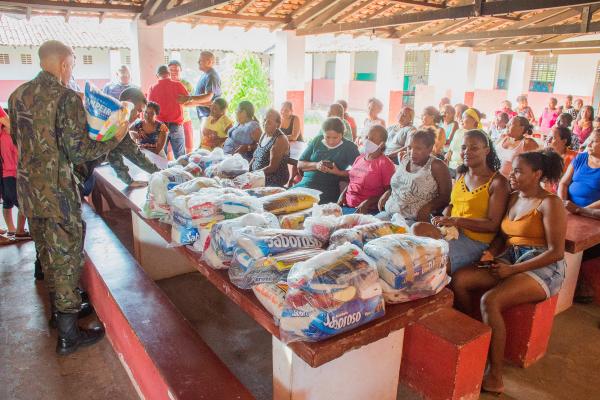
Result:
[
  {"x": 464, "y": 251},
  {"x": 176, "y": 138}
]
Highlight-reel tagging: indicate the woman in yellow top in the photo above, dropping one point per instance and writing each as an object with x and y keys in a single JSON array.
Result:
[
  {"x": 477, "y": 202},
  {"x": 216, "y": 125},
  {"x": 524, "y": 263}
]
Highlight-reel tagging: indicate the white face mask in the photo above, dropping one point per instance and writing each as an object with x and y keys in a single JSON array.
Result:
[
  {"x": 369, "y": 147},
  {"x": 330, "y": 147}
]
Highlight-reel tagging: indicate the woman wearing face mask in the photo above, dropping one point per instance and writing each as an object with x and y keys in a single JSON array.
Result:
[
  {"x": 477, "y": 202},
  {"x": 421, "y": 184},
  {"x": 325, "y": 160},
  {"x": 369, "y": 176},
  {"x": 526, "y": 257},
  {"x": 471, "y": 119},
  {"x": 514, "y": 143}
]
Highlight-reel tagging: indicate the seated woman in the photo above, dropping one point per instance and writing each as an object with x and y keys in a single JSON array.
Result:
[
  {"x": 272, "y": 152},
  {"x": 448, "y": 124},
  {"x": 369, "y": 176},
  {"x": 477, "y": 202},
  {"x": 524, "y": 263},
  {"x": 325, "y": 160},
  {"x": 431, "y": 119},
  {"x": 421, "y": 184},
  {"x": 579, "y": 188},
  {"x": 499, "y": 126},
  {"x": 523, "y": 109},
  {"x": 243, "y": 136},
  {"x": 506, "y": 107},
  {"x": 584, "y": 125},
  {"x": 149, "y": 133},
  {"x": 374, "y": 107},
  {"x": 514, "y": 143},
  {"x": 564, "y": 121},
  {"x": 549, "y": 116},
  {"x": 560, "y": 141},
  {"x": 214, "y": 131},
  {"x": 290, "y": 123},
  {"x": 471, "y": 119},
  {"x": 337, "y": 110}
]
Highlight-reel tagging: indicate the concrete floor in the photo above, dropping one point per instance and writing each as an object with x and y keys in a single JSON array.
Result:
[{"x": 30, "y": 370}]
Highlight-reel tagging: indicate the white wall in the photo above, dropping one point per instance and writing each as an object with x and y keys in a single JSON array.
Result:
[
  {"x": 15, "y": 70},
  {"x": 100, "y": 67},
  {"x": 575, "y": 74},
  {"x": 320, "y": 61},
  {"x": 365, "y": 62},
  {"x": 487, "y": 69},
  {"x": 453, "y": 73}
]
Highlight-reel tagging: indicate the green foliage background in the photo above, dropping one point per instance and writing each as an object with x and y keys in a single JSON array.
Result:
[{"x": 247, "y": 80}]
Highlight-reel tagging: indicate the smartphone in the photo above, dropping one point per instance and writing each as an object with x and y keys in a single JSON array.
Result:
[
  {"x": 327, "y": 163},
  {"x": 485, "y": 264}
]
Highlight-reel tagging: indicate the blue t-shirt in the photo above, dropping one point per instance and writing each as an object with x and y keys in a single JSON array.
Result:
[
  {"x": 343, "y": 156},
  {"x": 585, "y": 185},
  {"x": 115, "y": 89},
  {"x": 238, "y": 135},
  {"x": 210, "y": 82}
]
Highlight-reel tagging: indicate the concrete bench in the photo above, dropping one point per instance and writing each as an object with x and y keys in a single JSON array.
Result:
[
  {"x": 163, "y": 355},
  {"x": 444, "y": 356}
]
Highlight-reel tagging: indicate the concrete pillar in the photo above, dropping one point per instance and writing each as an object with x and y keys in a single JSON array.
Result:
[
  {"x": 114, "y": 63},
  {"x": 289, "y": 71},
  {"x": 147, "y": 53},
  {"x": 308, "y": 78},
  {"x": 344, "y": 65},
  {"x": 453, "y": 74},
  {"x": 520, "y": 73},
  {"x": 390, "y": 78}
]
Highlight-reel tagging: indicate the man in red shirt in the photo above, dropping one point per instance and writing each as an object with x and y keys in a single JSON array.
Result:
[{"x": 170, "y": 95}]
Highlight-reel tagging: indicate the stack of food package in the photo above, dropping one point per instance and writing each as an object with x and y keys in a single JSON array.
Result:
[
  {"x": 410, "y": 267},
  {"x": 156, "y": 205},
  {"x": 330, "y": 293}
]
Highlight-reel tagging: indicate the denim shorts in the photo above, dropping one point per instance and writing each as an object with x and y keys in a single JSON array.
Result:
[
  {"x": 549, "y": 277},
  {"x": 464, "y": 251}
]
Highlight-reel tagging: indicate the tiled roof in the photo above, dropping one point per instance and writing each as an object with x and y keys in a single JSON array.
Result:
[{"x": 78, "y": 32}]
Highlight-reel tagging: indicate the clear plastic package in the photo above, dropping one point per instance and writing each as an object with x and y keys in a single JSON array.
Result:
[
  {"x": 291, "y": 201},
  {"x": 260, "y": 242}
]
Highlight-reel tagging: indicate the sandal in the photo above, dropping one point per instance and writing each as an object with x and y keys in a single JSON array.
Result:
[
  {"x": 6, "y": 240},
  {"x": 23, "y": 236}
]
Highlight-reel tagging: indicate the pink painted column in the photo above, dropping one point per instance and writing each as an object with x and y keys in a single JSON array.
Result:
[
  {"x": 147, "y": 53},
  {"x": 289, "y": 71}
]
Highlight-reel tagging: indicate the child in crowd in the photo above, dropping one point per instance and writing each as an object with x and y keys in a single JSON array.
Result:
[
  {"x": 216, "y": 125},
  {"x": 148, "y": 132},
  {"x": 498, "y": 128},
  {"x": 9, "y": 156}
]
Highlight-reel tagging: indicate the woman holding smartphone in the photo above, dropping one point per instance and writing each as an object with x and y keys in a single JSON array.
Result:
[
  {"x": 524, "y": 263},
  {"x": 325, "y": 160}
]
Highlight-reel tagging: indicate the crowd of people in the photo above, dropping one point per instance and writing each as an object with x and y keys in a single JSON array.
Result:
[{"x": 505, "y": 190}]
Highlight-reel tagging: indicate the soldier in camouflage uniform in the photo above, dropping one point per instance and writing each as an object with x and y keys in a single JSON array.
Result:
[{"x": 48, "y": 125}]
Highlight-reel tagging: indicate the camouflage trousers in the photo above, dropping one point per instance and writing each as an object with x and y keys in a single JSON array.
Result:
[{"x": 59, "y": 245}]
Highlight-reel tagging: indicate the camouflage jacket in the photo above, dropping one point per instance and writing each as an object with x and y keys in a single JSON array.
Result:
[{"x": 48, "y": 125}]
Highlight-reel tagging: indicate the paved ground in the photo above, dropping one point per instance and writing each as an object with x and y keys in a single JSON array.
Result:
[{"x": 30, "y": 370}]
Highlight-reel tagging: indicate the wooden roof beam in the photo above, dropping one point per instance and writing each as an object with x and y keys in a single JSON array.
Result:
[
  {"x": 314, "y": 12},
  {"x": 193, "y": 7},
  {"x": 274, "y": 6},
  {"x": 72, "y": 6},
  {"x": 338, "y": 8},
  {"x": 248, "y": 18},
  {"x": 421, "y": 3},
  {"x": 244, "y": 6},
  {"x": 457, "y": 12},
  {"x": 503, "y": 33},
  {"x": 542, "y": 46}
]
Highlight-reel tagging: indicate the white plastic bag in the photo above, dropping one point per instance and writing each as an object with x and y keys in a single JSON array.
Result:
[
  {"x": 249, "y": 180},
  {"x": 160, "y": 182},
  {"x": 331, "y": 293},
  {"x": 402, "y": 260},
  {"x": 361, "y": 234},
  {"x": 104, "y": 114},
  {"x": 260, "y": 242},
  {"x": 271, "y": 296}
]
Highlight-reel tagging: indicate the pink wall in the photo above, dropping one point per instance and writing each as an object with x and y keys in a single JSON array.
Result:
[
  {"x": 323, "y": 91},
  {"x": 9, "y": 86},
  {"x": 359, "y": 93},
  {"x": 488, "y": 101},
  {"x": 538, "y": 101}
]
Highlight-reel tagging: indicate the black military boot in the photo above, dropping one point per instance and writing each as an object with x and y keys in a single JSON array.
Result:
[
  {"x": 39, "y": 273},
  {"x": 71, "y": 337},
  {"x": 85, "y": 310}
]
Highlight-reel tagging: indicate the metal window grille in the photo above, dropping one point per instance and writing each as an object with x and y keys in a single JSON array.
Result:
[
  {"x": 87, "y": 59},
  {"x": 4, "y": 58},
  {"x": 26, "y": 59}
]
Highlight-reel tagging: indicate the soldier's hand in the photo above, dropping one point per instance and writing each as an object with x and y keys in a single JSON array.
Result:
[{"x": 122, "y": 131}]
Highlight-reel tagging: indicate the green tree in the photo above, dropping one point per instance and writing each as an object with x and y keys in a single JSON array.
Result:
[{"x": 247, "y": 80}]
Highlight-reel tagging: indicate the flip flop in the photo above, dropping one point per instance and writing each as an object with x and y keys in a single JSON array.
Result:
[
  {"x": 6, "y": 240},
  {"x": 22, "y": 236}
]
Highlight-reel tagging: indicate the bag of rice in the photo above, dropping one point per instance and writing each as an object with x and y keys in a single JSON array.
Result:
[{"x": 104, "y": 114}]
